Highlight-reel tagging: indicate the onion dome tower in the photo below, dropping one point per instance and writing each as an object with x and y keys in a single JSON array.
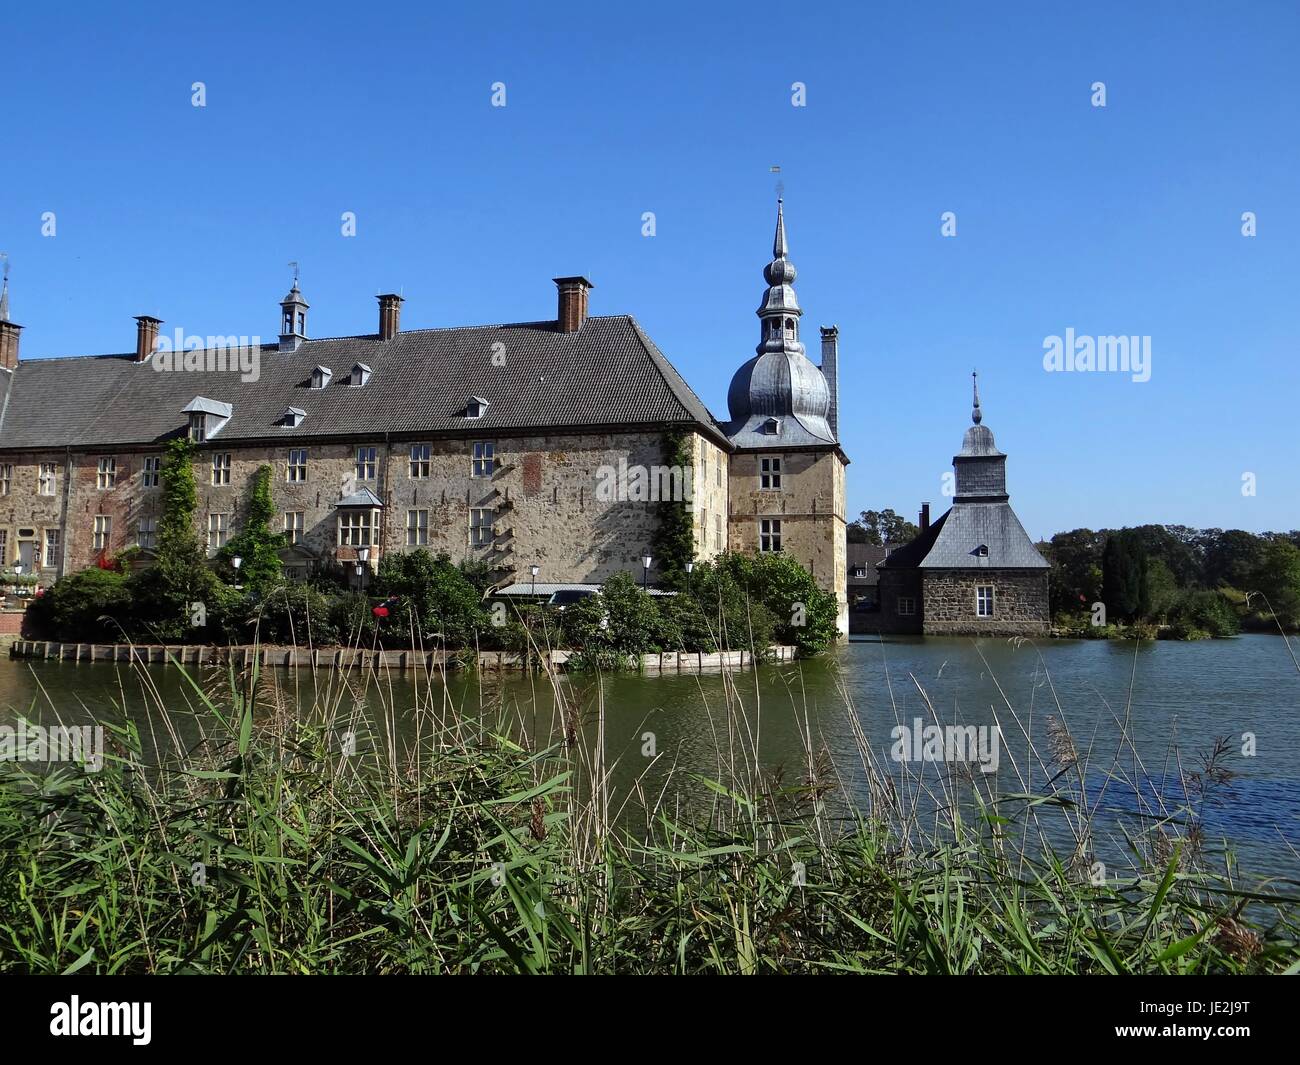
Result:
[{"x": 779, "y": 396}]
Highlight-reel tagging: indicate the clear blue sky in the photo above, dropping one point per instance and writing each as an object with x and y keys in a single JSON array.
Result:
[{"x": 1122, "y": 220}]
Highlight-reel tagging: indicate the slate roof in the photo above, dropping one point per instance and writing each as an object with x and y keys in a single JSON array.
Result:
[
  {"x": 866, "y": 557},
  {"x": 607, "y": 374},
  {"x": 953, "y": 541}
]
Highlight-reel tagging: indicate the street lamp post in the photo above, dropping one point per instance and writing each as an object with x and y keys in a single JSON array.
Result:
[
  {"x": 534, "y": 570},
  {"x": 236, "y": 561},
  {"x": 363, "y": 557},
  {"x": 646, "y": 560}
]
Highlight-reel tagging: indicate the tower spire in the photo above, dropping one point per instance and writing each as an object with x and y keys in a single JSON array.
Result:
[
  {"x": 975, "y": 414},
  {"x": 4, "y": 289},
  {"x": 779, "y": 314},
  {"x": 779, "y": 249}
]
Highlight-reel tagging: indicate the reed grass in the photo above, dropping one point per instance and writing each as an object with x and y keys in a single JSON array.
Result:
[{"x": 270, "y": 826}]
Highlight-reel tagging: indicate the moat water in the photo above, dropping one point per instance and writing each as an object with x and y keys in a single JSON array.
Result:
[{"x": 1174, "y": 701}]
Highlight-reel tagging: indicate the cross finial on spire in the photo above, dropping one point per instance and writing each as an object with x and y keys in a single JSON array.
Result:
[
  {"x": 975, "y": 415},
  {"x": 295, "y": 274}
]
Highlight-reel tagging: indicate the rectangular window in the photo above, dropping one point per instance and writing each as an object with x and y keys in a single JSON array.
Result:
[
  {"x": 417, "y": 528},
  {"x": 484, "y": 458},
  {"x": 218, "y": 531},
  {"x": 51, "y": 548},
  {"x": 151, "y": 475},
  {"x": 221, "y": 469},
  {"x": 705, "y": 462},
  {"x": 293, "y": 526},
  {"x": 4, "y": 548},
  {"x": 480, "y": 526},
  {"x": 718, "y": 470},
  {"x": 769, "y": 472},
  {"x": 146, "y": 533},
  {"x": 6, "y": 477},
  {"x": 769, "y": 534},
  {"x": 984, "y": 601},
  {"x": 47, "y": 480},
  {"x": 296, "y": 470},
  {"x": 419, "y": 460},
  {"x": 103, "y": 532},
  {"x": 365, "y": 464},
  {"x": 906, "y": 606},
  {"x": 198, "y": 427},
  {"x": 354, "y": 528},
  {"x": 106, "y": 474},
  {"x": 717, "y": 532}
]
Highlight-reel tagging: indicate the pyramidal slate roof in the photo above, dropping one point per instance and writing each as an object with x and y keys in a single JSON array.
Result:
[{"x": 608, "y": 373}]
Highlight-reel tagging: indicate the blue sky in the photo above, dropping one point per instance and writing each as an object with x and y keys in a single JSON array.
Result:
[{"x": 1123, "y": 220}]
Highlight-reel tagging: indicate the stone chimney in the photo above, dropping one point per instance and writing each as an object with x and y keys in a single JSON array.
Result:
[
  {"x": 573, "y": 302},
  {"x": 925, "y": 516},
  {"x": 390, "y": 315},
  {"x": 146, "y": 336},
  {"x": 831, "y": 371}
]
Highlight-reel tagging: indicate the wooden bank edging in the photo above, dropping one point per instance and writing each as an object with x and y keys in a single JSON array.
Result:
[{"x": 354, "y": 658}]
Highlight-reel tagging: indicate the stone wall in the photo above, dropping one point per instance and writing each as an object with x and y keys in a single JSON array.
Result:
[
  {"x": 810, "y": 505},
  {"x": 896, "y": 584},
  {"x": 545, "y": 495},
  {"x": 1020, "y": 605}
]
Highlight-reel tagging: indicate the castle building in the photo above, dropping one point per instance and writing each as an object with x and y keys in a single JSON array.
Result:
[
  {"x": 974, "y": 571},
  {"x": 496, "y": 444}
]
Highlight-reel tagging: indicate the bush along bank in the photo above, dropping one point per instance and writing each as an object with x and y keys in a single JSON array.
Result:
[{"x": 425, "y": 602}]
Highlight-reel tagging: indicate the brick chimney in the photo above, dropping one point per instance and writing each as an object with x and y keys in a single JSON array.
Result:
[
  {"x": 8, "y": 330},
  {"x": 831, "y": 371},
  {"x": 390, "y": 315},
  {"x": 146, "y": 336},
  {"x": 573, "y": 302},
  {"x": 9, "y": 344},
  {"x": 925, "y": 516}
]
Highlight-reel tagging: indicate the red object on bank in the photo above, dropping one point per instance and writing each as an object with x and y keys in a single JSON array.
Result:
[{"x": 380, "y": 611}]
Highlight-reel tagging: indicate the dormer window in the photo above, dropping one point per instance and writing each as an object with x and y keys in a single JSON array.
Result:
[
  {"x": 207, "y": 417},
  {"x": 292, "y": 417},
  {"x": 772, "y": 427},
  {"x": 475, "y": 407},
  {"x": 360, "y": 374},
  {"x": 982, "y": 551},
  {"x": 320, "y": 377}
]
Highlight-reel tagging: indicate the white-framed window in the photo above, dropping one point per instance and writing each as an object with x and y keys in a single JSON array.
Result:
[
  {"x": 198, "y": 426},
  {"x": 769, "y": 534},
  {"x": 293, "y": 526},
  {"x": 480, "y": 526},
  {"x": 475, "y": 407},
  {"x": 704, "y": 461},
  {"x": 295, "y": 471},
  {"x": 103, "y": 532},
  {"x": 320, "y": 377},
  {"x": 47, "y": 479},
  {"x": 218, "y": 531},
  {"x": 717, "y": 532},
  {"x": 105, "y": 474},
  {"x": 221, "y": 468},
  {"x": 484, "y": 458},
  {"x": 356, "y": 528},
  {"x": 51, "y": 548},
  {"x": 417, "y": 528},
  {"x": 419, "y": 460},
  {"x": 906, "y": 606},
  {"x": 717, "y": 470},
  {"x": 859, "y": 572},
  {"x": 769, "y": 471},
  {"x": 146, "y": 533},
  {"x": 151, "y": 473},
  {"x": 6, "y": 477},
  {"x": 984, "y": 601},
  {"x": 366, "y": 463}
]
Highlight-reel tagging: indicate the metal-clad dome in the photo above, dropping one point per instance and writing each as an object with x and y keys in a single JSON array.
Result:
[{"x": 778, "y": 384}]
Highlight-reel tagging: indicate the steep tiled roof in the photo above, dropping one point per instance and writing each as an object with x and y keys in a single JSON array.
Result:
[{"x": 608, "y": 373}]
